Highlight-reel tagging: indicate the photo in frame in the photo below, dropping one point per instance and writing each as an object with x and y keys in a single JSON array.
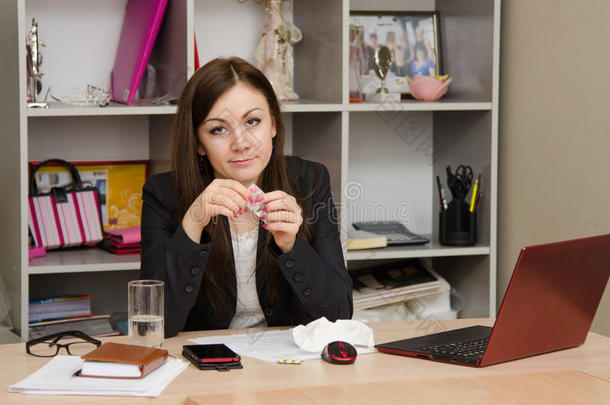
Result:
[
  {"x": 413, "y": 39},
  {"x": 356, "y": 61},
  {"x": 119, "y": 183}
]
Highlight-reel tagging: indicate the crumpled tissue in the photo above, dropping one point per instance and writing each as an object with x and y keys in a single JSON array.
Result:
[{"x": 317, "y": 334}]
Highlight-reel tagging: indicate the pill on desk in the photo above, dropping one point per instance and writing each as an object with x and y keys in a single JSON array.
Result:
[{"x": 288, "y": 361}]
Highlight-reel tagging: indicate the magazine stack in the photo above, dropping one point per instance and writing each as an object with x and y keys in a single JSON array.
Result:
[{"x": 404, "y": 290}]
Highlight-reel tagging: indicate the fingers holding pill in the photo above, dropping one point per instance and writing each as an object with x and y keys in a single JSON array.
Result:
[
  {"x": 282, "y": 217},
  {"x": 221, "y": 197}
]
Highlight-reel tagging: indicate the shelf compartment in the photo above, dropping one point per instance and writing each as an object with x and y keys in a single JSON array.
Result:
[
  {"x": 65, "y": 69},
  {"x": 317, "y": 57},
  {"x": 432, "y": 249},
  {"x": 466, "y": 40},
  {"x": 82, "y": 260}
]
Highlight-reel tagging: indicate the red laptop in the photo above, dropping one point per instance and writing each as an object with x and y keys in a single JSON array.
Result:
[{"x": 549, "y": 305}]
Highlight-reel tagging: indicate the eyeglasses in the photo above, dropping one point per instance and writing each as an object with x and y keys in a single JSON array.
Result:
[{"x": 48, "y": 346}]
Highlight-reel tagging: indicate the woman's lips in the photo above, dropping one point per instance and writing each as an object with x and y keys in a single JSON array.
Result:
[{"x": 241, "y": 162}]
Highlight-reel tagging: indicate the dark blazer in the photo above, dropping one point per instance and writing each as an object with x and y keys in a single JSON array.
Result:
[{"x": 315, "y": 282}]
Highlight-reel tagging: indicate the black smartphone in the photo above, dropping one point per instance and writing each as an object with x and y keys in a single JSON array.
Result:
[{"x": 213, "y": 356}]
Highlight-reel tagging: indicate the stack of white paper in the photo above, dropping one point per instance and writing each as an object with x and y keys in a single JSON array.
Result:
[
  {"x": 57, "y": 377},
  {"x": 269, "y": 345}
]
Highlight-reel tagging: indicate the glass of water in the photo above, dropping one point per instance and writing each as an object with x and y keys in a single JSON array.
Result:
[{"x": 146, "y": 321}]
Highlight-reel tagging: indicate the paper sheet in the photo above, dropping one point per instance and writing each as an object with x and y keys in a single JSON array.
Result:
[
  {"x": 266, "y": 345},
  {"x": 57, "y": 378}
]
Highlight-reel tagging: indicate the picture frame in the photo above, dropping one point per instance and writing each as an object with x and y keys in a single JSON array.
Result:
[
  {"x": 119, "y": 183},
  {"x": 413, "y": 38}
]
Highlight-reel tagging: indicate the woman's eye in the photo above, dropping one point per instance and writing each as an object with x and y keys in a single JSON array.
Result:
[
  {"x": 253, "y": 121},
  {"x": 217, "y": 130}
]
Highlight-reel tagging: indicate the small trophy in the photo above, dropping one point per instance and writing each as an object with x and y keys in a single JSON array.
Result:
[
  {"x": 383, "y": 61},
  {"x": 33, "y": 62}
]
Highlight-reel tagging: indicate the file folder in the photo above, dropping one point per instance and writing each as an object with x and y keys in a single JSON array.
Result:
[{"x": 140, "y": 28}]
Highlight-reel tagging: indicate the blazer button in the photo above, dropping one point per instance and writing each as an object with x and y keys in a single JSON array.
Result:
[
  {"x": 202, "y": 253},
  {"x": 269, "y": 312},
  {"x": 188, "y": 289},
  {"x": 289, "y": 264},
  {"x": 307, "y": 292},
  {"x": 195, "y": 271},
  {"x": 298, "y": 277}
]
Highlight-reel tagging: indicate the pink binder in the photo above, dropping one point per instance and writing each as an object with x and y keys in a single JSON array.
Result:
[{"x": 140, "y": 27}]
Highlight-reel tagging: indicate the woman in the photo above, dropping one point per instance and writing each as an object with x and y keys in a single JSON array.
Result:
[
  {"x": 222, "y": 265},
  {"x": 422, "y": 66}
]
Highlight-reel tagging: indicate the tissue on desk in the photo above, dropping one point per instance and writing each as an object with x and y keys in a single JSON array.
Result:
[{"x": 317, "y": 334}]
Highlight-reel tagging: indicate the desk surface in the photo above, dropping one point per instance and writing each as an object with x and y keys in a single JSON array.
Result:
[{"x": 578, "y": 375}]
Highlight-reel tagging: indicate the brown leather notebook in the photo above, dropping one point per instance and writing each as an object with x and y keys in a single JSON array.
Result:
[{"x": 116, "y": 360}]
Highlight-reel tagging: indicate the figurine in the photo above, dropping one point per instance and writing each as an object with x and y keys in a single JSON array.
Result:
[
  {"x": 356, "y": 62},
  {"x": 33, "y": 62},
  {"x": 274, "y": 54}
]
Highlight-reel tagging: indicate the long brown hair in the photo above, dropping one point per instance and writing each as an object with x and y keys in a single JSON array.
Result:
[{"x": 192, "y": 173}]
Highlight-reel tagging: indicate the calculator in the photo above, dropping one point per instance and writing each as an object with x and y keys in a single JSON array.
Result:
[{"x": 395, "y": 232}]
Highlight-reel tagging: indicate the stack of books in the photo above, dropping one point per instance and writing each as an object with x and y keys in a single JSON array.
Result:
[
  {"x": 50, "y": 309},
  {"x": 393, "y": 283},
  {"x": 122, "y": 241},
  {"x": 95, "y": 325},
  {"x": 358, "y": 239},
  {"x": 59, "y": 314}
]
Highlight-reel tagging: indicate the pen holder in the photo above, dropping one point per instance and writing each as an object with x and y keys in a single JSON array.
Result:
[{"x": 457, "y": 225}]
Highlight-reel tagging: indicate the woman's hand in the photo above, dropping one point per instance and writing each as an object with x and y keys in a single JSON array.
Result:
[
  {"x": 221, "y": 197},
  {"x": 283, "y": 218}
]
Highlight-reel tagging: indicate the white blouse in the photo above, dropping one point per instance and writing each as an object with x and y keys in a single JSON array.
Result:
[{"x": 249, "y": 313}]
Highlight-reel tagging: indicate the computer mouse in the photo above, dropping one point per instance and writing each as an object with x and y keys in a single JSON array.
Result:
[{"x": 339, "y": 352}]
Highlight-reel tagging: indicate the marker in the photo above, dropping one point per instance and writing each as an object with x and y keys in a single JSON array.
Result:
[{"x": 475, "y": 193}]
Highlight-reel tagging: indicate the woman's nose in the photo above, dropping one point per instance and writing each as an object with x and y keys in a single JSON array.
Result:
[{"x": 243, "y": 139}]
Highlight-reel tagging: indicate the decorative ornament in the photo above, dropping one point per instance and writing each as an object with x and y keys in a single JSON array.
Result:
[{"x": 274, "y": 54}]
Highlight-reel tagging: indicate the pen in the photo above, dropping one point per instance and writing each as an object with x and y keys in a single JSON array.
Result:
[
  {"x": 476, "y": 203},
  {"x": 441, "y": 195},
  {"x": 474, "y": 193},
  {"x": 444, "y": 198}
]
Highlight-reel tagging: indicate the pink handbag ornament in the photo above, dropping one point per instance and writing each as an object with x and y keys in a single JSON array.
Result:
[{"x": 65, "y": 216}]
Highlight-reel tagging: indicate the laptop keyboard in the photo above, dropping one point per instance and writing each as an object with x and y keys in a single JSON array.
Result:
[{"x": 474, "y": 348}]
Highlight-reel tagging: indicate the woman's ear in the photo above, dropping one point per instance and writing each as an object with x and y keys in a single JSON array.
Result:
[{"x": 200, "y": 150}]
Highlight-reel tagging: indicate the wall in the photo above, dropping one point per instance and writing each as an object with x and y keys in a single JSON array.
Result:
[{"x": 554, "y": 128}]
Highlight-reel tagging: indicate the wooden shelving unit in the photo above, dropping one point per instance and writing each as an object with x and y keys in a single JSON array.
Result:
[{"x": 362, "y": 144}]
